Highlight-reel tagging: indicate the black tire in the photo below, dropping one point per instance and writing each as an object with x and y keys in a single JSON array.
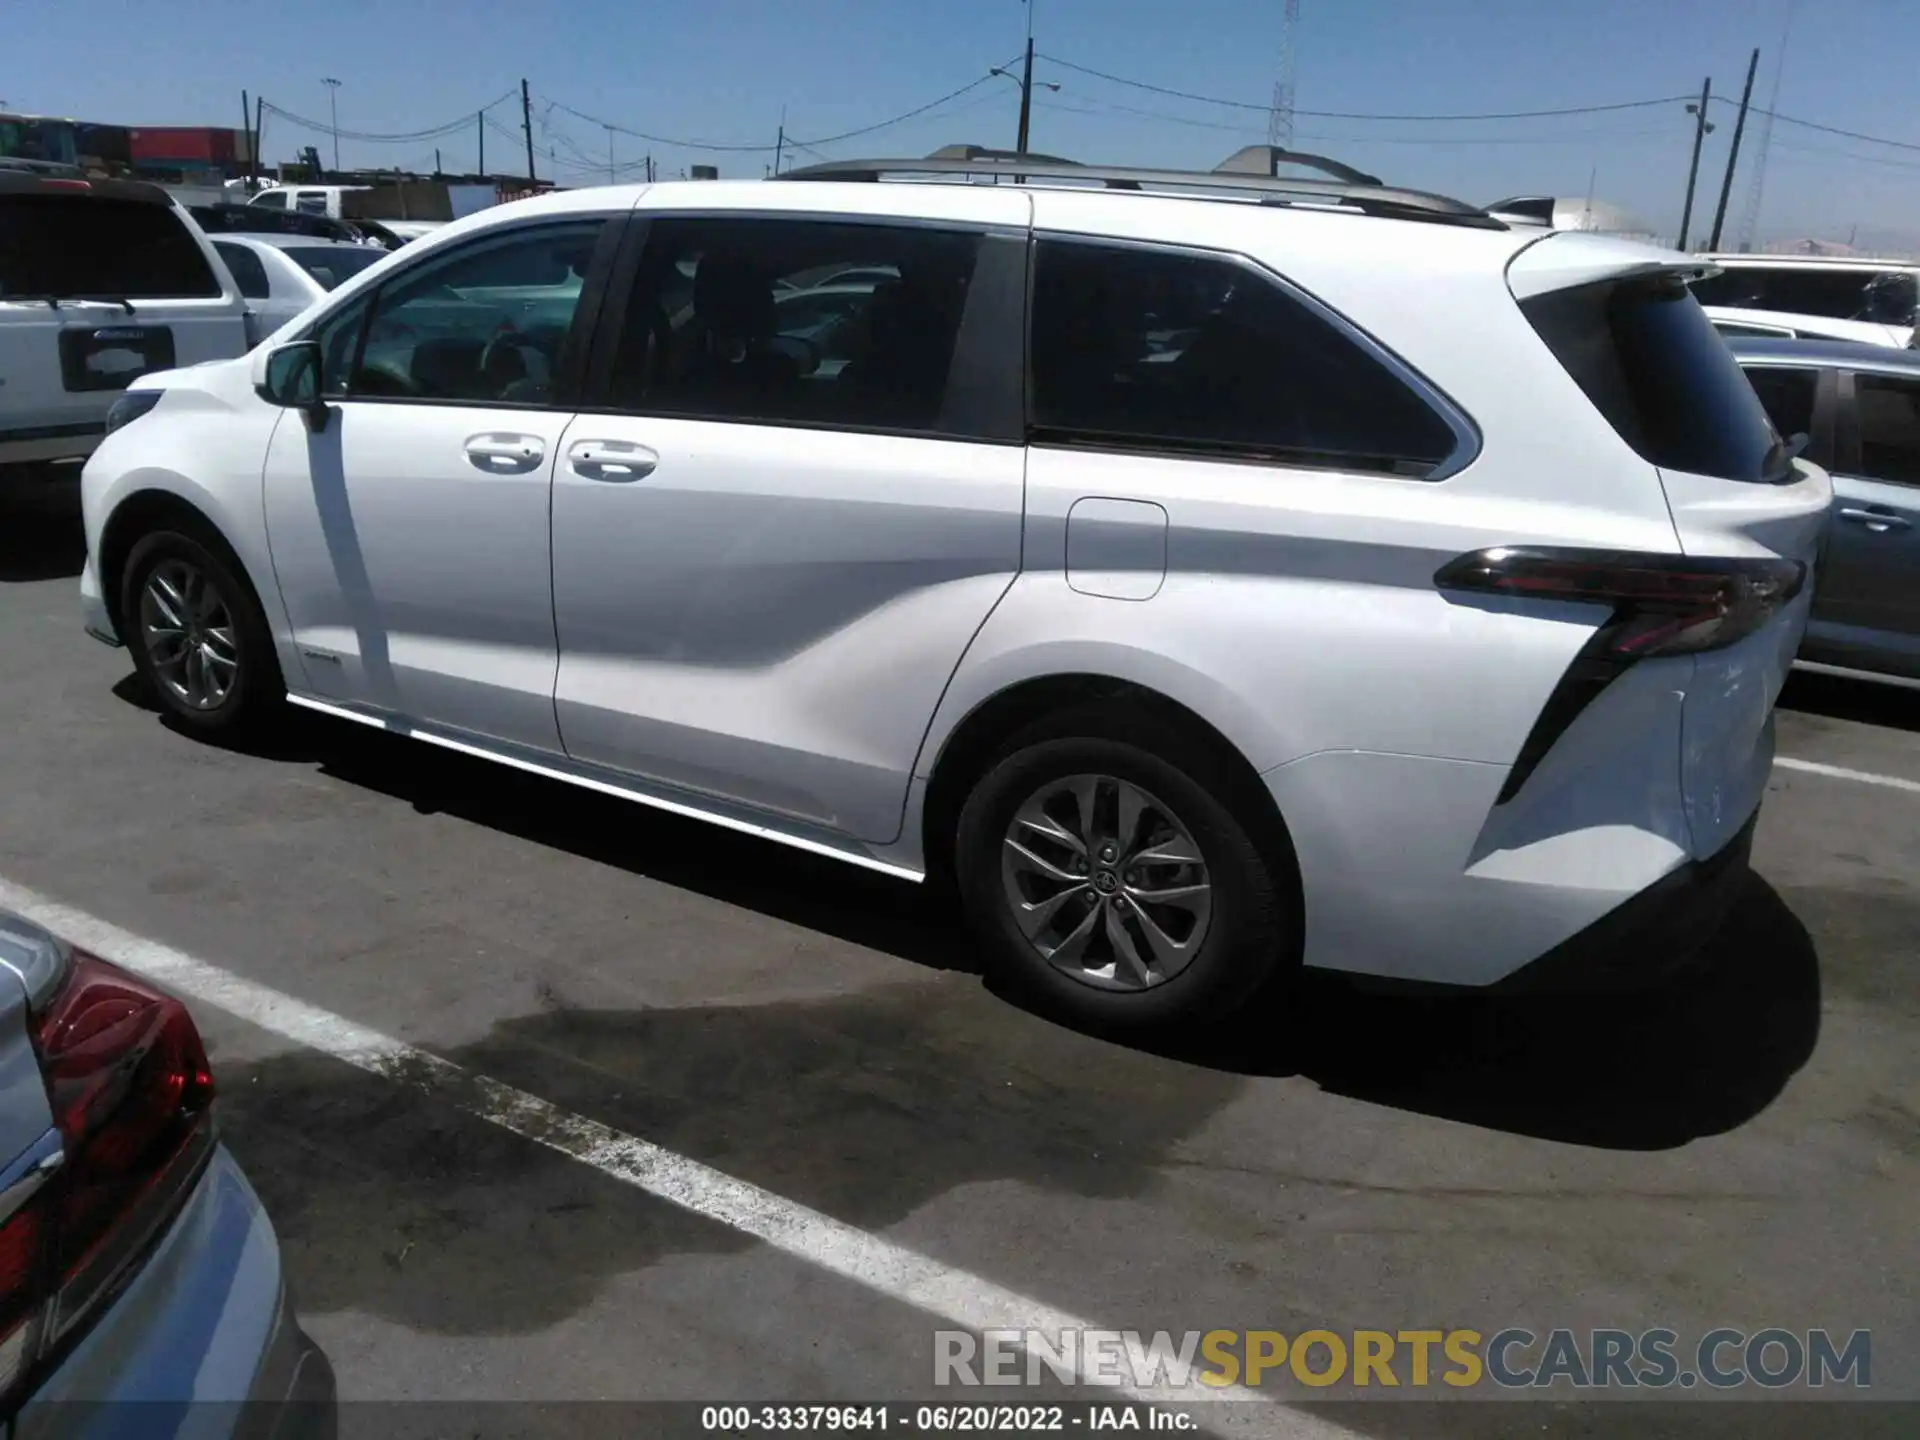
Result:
[
  {"x": 256, "y": 694},
  {"x": 1252, "y": 940}
]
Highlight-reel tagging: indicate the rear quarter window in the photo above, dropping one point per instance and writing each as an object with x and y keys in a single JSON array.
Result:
[{"x": 1651, "y": 362}]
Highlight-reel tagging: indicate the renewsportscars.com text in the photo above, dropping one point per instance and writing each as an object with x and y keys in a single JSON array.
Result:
[{"x": 1512, "y": 1358}]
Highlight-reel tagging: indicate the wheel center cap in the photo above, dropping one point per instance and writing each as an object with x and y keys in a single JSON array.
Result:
[{"x": 1105, "y": 881}]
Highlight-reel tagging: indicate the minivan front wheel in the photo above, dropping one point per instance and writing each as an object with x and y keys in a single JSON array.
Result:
[
  {"x": 196, "y": 634},
  {"x": 1116, "y": 886}
]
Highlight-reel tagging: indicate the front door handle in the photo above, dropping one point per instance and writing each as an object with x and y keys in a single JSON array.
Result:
[
  {"x": 614, "y": 460},
  {"x": 504, "y": 453},
  {"x": 1877, "y": 520}
]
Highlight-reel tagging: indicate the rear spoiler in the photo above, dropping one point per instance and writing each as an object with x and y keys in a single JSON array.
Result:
[
  {"x": 35, "y": 182},
  {"x": 1566, "y": 259}
]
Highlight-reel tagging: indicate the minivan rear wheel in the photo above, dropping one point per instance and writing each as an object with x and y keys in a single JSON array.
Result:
[{"x": 1117, "y": 887}]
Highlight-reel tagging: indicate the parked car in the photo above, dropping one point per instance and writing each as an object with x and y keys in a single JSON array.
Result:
[
  {"x": 281, "y": 275},
  {"x": 1812, "y": 297},
  {"x": 1859, "y": 406},
  {"x": 250, "y": 220},
  {"x": 139, "y": 1267},
  {"x": 101, "y": 281},
  {"x": 305, "y": 199},
  {"x": 1351, "y": 580}
]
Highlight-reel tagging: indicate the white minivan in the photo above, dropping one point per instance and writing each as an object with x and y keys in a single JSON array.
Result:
[{"x": 1212, "y": 575}]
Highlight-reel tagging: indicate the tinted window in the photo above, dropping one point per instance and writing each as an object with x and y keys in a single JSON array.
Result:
[
  {"x": 84, "y": 246},
  {"x": 1889, "y": 428},
  {"x": 484, "y": 324},
  {"x": 1649, "y": 360},
  {"x": 330, "y": 264},
  {"x": 311, "y": 202},
  {"x": 1154, "y": 349},
  {"x": 1841, "y": 294},
  {"x": 1787, "y": 396},
  {"x": 730, "y": 320},
  {"x": 272, "y": 200},
  {"x": 248, "y": 270}
]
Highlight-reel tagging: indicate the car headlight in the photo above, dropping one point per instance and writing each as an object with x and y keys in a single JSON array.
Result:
[{"x": 130, "y": 407}]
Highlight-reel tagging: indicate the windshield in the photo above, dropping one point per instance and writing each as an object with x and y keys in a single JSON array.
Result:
[{"x": 330, "y": 264}]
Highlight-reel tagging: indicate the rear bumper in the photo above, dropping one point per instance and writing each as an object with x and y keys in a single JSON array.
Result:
[
  {"x": 1648, "y": 938},
  {"x": 202, "y": 1342}
]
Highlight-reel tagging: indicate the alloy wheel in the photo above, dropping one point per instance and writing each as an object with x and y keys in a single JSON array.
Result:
[
  {"x": 189, "y": 635},
  {"x": 1106, "y": 882}
]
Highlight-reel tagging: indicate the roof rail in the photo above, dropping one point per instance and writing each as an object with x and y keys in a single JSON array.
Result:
[
  {"x": 982, "y": 152},
  {"x": 1368, "y": 199},
  {"x": 1267, "y": 160}
]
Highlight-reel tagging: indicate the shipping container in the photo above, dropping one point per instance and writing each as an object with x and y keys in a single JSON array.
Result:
[{"x": 202, "y": 144}]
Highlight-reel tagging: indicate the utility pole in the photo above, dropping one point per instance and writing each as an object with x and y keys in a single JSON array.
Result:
[
  {"x": 526, "y": 125},
  {"x": 649, "y": 170},
  {"x": 1701, "y": 126},
  {"x": 246, "y": 129},
  {"x": 1026, "y": 86},
  {"x": 480, "y": 122},
  {"x": 436, "y": 162},
  {"x": 259, "y": 122},
  {"x": 1733, "y": 154},
  {"x": 780, "y": 143},
  {"x": 333, "y": 106}
]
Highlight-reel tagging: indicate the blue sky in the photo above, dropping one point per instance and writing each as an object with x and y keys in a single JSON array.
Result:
[{"x": 724, "y": 71}]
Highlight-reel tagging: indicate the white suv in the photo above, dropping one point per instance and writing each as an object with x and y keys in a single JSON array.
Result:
[
  {"x": 1210, "y": 588},
  {"x": 101, "y": 281},
  {"x": 1821, "y": 297}
]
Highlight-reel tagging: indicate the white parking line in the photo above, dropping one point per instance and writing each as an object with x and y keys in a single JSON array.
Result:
[
  {"x": 1840, "y": 772},
  {"x": 956, "y": 1296}
]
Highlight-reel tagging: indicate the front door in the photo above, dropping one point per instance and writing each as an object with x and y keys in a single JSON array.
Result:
[
  {"x": 799, "y": 498},
  {"x": 410, "y": 535}
]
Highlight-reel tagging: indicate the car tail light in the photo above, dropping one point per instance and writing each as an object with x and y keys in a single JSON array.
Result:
[
  {"x": 131, "y": 1095},
  {"x": 1660, "y": 605}
]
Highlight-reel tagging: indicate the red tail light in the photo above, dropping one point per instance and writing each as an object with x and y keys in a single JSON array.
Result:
[
  {"x": 1661, "y": 605},
  {"x": 131, "y": 1096}
]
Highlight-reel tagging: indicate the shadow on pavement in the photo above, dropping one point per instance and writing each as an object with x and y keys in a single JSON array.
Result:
[
  {"x": 1645, "y": 1071},
  {"x": 40, "y": 532},
  {"x": 866, "y": 1106},
  {"x": 1863, "y": 701},
  {"x": 1642, "y": 1071}
]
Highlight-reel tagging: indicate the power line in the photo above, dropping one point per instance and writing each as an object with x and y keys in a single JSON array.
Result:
[
  {"x": 737, "y": 149},
  {"x": 1368, "y": 115},
  {"x": 1565, "y": 137},
  {"x": 376, "y": 138},
  {"x": 1825, "y": 129}
]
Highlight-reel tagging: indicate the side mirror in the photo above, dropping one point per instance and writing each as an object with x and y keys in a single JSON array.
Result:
[{"x": 290, "y": 378}]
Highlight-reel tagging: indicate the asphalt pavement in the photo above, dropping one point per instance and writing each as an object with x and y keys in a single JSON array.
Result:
[{"x": 1741, "y": 1149}]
